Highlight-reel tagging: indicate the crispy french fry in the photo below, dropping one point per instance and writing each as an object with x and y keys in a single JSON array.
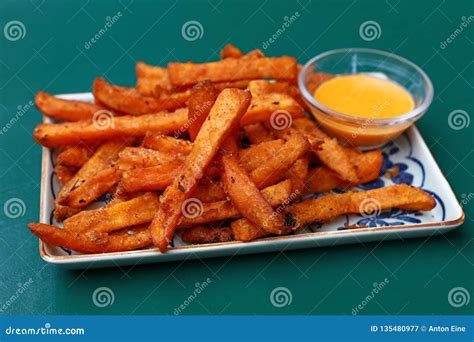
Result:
[
  {"x": 331, "y": 206},
  {"x": 231, "y": 51},
  {"x": 269, "y": 107},
  {"x": 327, "y": 149},
  {"x": 322, "y": 179},
  {"x": 142, "y": 209},
  {"x": 65, "y": 110},
  {"x": 74, "y": 156},
  {"x": 92, "y": 242},
  {"x": 229, "y": 107},
  {"x": 298, "y": 174},
  {"x": 92, "y": 188},
  {"x": 203, "y": 234},
  {"x": 247, "y": 198},
  {"x": 103, "y": 157},
  {"x": 63, "y": 174},
  {"x": 254, "y": 54},
  {"x": 139, "y": 157},
  {"x": 274, "y": 169},
  {"x": 257, "y": 133},
  {"x": 261, "y": 87},
  {"x": 144, "y": 70},
  {"x": 54, "y": 135},
  {"x": 231, "y": 69},
  {"x": 167, "y": 144},
  {"x": 257, "y": 155},
  {"x": 114, "y": 217},
  {"x": 130, "y": 101},
  {"x": 202, "y": 99},
  {"x": 209, "y": 191},
  {"x": 150, "y": 178}
]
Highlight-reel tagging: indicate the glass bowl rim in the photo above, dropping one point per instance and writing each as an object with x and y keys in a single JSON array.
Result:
[{"x": 420, "y": 109}]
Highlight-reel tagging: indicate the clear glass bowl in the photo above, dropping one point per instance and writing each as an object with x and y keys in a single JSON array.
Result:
[{"x": 364, "y": 132}]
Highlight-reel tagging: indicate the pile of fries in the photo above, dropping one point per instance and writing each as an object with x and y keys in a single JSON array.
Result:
[{"x": 216, "y": 152}]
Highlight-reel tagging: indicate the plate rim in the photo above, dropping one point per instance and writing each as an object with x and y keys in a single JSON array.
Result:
[{"x": 72, "y": 259}]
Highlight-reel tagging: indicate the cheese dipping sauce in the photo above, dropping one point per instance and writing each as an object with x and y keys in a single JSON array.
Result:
[{"x": 365, "y": 96}]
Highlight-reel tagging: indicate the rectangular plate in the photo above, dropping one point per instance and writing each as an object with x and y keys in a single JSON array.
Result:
[{"x": 408, "y": 152}]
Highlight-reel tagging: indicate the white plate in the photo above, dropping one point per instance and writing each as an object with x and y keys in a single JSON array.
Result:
[{"x": 409, "y": 152}]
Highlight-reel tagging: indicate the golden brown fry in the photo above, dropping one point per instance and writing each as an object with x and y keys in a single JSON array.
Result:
[
  {"x": 202, "y": 99},
  {"x": 64, "y": 174},
  {"x": 257, "y": 133},
  {"x": 204, "y": 234},
  {"x": 139, "y": 157},
  {"x": 331, "y": 206},
  {"x": 55, "y": 135},
  {"x": 65, "y": 110},
  {"x": 144, "y": 70},
  {"x": 257, "y": 155},
  {"x": 368, "y": 165},
  {"x": 261, "y": 87},
  {"x": 298, "y": 174},
  {"x": 130, "y": 101},
  {"x": 167, "y": 144},
  {"x": 150, "y": 178},
  {"x": 327, "y": 149},
  {"x": 92, "y": 188},
  {"x": 272, "y": 108},
  {"x": 103, "y": 158},
  {"x": 74, "y": 156},
  {"x": 209, "y": 191},
  {"x": 231, "y": 69},
  {"x": 93, "y": 242},
  {"x": 231, "y": 51},
  {"x": 275, "y": 168},
  {"x": 114, "y": 217},
  {"x": 254, "y": 54},
  {"x": 228, "y": 109},
  {"x": 246, "y": 197}
]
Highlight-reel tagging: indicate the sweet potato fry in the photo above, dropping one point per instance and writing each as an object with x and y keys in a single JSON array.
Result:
[
  {"x": 114, "y": 217},
  {"x": 253, "y": 54},
  {"x": 153, "y": 178},
  {"x": 275, "y": 168},
  {"x": 92, "y": 188},
  {"x": 264, "y": 108},
  {"x": 209, "y": 191},
  {"x": 204, "y": 234},
  {"x": 65, "y": 110},
  {"x": 167, "y": 144},
  {"x": 231, "y": 69},
  {"x": 203, "y": 97},
  {"x": 130, "y": 101},
  {"x": 261, "y": 87},
  {"x": 247, "y": 198},
  {"x": 257, "y": 155},
  {"x": 54, "y": 135},
  {"x": 322, "y": 179},
  {"x": 74, "y": 156},
  {"x": 63, "y": 174},
  {"x": 229, "y": 107},
  {"x": 93, "y": 242},
  {"x": 144, "y": 70},
  {"x": 327, "y": 149},
  {"x": 257, "y": 133},
  {"x": 231, "y": 51},
  {"x": 103, "y": 158},
  {"x": 139, "y": 157},
  {"x": 331, "y": 206},
  {"x": 298, "y": 174}
]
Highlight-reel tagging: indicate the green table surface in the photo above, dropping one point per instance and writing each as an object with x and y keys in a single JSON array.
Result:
[{"x": 52, "y": 56}]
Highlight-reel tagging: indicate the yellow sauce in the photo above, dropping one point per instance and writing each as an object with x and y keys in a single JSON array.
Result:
[{"x": 365, "y": 96}]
